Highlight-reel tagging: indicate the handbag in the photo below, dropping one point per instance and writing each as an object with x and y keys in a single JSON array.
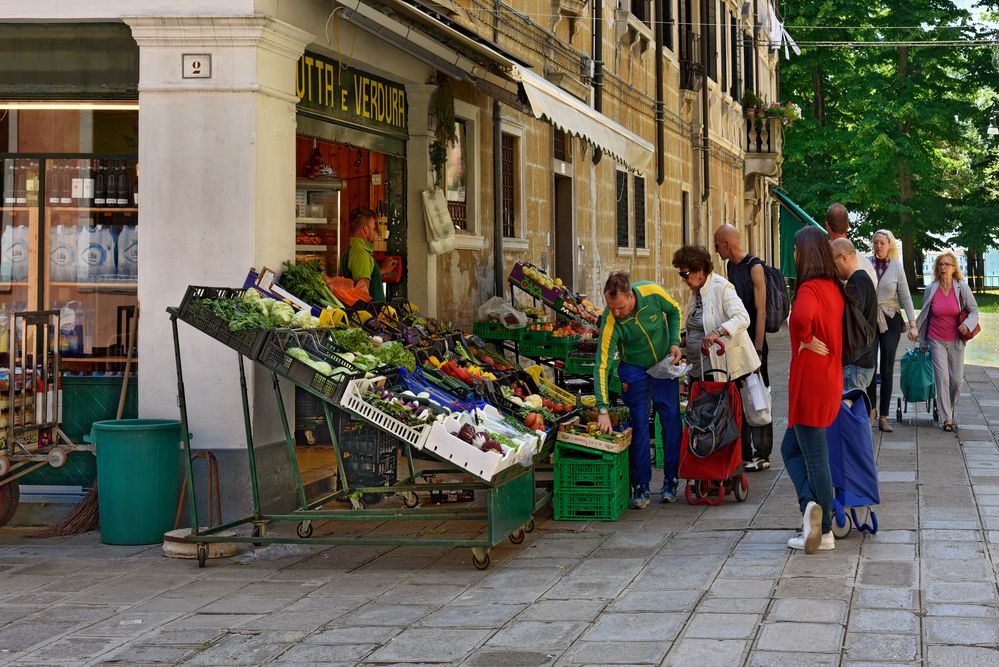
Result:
[
  {"x": 964, "y": 315},
  {"x": 711, "y": 421},
  {"x": 755, "y": 400}
]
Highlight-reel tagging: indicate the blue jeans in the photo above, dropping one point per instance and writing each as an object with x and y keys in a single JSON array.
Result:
[
  {"x": 806, "y": 457},
  {"x": 855, "y": 377},
  {"x": 637, "y": 386}
]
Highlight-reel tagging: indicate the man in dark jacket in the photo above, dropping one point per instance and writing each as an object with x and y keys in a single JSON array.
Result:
[{"x": 859, "y": 371}]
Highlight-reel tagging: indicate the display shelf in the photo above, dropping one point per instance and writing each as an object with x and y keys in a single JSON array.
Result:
[
  {"x": 17, "y": 283},
  {"x": 310, "y": 248},
  {"x": 95, "y": 360},
  {"x": 16, "y": 209},
  {"x": 97, "y": 286},
  {"x": 311, "y": 221},
  {"x": 326, "y": 184},
  {"x": 92, "y": 209}
]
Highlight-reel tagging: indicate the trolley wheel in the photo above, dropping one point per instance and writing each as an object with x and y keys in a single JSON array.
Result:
[
  {"x": 10, "y": 495},
  {"x": 740, "y": 488},
  {"x": 529, "y": 526},
  {"x": 202, "y": 554},
  {"x": 56, "y": 457},
  {"x": 689, "y": 494},
  {"x": 304, "y": 530},
  {"x": 410, "y": 499},
  {"x": 898, "y": 410},
  {"x": 480, "y": 558},
  {"x": 258, "y": 531},
  {"x": 551, "y": 501},
  {"x": 517, "y": 536},
  {"x": 839, "y": 530},
  {"x": 719, "y": 495},
  {"x": 4, "y": 465},
  {"x": 936, "y": 415}
]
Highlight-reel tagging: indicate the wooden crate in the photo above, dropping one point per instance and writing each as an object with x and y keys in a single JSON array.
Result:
[{"x": 619, "y": 444}]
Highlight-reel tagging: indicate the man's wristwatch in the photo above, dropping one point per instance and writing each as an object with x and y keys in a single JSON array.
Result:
[{"x": 604, "y": 411}]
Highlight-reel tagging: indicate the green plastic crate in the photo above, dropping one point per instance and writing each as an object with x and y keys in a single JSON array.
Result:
[
  {"x": 561, "y": 346},
  {"x": 496, "y": 331},
  {"x": 579, "y": 365},
  {"x": 536, "y": 337},
  {"x": 534, "y": 350},
  {"x": 579, "y": 468},
  {"x": 590, "y": 485}
]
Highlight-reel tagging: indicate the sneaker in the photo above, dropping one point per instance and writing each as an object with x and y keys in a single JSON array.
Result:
[
  {"x": 811, "y": 527},
  {"x": 640, "y": 497},
  {"x": 828, "y": 542},
  {"x": 669, "y": 491},
  {"x": 756, "y": 465}
]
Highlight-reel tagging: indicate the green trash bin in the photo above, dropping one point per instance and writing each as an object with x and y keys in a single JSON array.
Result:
[{"x": 138, "y": 477}]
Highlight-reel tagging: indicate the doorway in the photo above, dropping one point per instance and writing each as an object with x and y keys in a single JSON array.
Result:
[{"x": 565, "y": 237}]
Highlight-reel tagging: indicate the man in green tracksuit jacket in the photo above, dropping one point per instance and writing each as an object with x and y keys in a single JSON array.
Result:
[{"x": 642, "y": 323}]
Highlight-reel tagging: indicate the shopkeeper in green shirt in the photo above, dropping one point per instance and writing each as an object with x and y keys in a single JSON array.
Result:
[
  {"x": 642, "y": 324},
  {"x": 358, "y": 263}
]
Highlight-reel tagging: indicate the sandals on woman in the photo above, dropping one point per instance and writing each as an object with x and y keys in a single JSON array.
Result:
[{"x": 949, "y": 427}]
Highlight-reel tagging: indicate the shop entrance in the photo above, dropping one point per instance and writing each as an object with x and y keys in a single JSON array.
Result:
[{"x": 565, "y": 237}]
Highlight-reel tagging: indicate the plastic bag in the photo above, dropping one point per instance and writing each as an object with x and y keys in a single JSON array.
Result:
[
  {"x": 756, "y": 400},
  {"x": 665, "y": 370},
  {"x": 509, "y": 316}
]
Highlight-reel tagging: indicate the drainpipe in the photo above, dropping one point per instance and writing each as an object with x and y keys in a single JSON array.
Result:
[
  {"x": 499, "y": 269},
  {"x": 706, "y": 181},
  {"x": 598, "y": 65},
  {"x": 660, "y": 116}
]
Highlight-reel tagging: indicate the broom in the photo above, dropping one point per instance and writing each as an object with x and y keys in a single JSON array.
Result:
[{"x": 85, "y": 516}]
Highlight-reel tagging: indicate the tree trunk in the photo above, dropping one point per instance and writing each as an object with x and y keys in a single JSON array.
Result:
[
  {"x": 819, "y": 96},
  {"x": 975, "y": 275},
  {"x": 912, "y": 258}
]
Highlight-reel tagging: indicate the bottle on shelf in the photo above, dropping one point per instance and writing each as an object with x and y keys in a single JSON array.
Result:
[
  {"x": 124, "y": 188},
  {"x": 101, "y": 185},
  {"x": 4, "y": 327},
  {"x": 8, "y": 183},
  {"x": 66, "y": 184},
  {"x": 88, "y": 183},
  {"x": 31, "y": 186},
  {"x": 20, "y": 183},
  {"x": 75, "y": 184},
  {"x": 53, "y": 183}
]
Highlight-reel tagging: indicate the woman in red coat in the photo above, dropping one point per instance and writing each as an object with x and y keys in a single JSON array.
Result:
[{"x": 815, "y": 386}]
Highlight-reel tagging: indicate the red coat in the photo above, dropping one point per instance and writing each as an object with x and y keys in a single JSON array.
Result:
[{"x": 815, "y": 389}]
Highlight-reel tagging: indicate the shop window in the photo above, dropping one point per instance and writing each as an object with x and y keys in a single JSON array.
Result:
[
  {"x": 726, "y": 18},
  {"x": 712, "y": 37},
  {"x": 736, "y": 58},
  {"x": 639, "y": 212},
  {"x": 666, "y": 16},
  {"x": 455, "y": 186},
  {"x": 508, "y": 189},
  {"x": 623, "y": 237},
  {"x": 749, "y": 60}
]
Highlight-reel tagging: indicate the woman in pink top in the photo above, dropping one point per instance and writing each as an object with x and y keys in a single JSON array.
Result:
[{"x": 939, "y": 324}]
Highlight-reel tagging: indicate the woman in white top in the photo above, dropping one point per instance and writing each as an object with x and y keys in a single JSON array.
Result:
[
  {"x": 715, "y": 311},
  {"x": 892, "y": 289}
]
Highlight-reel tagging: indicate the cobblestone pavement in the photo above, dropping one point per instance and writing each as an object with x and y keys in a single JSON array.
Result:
[{"x": 671, "y": 585}]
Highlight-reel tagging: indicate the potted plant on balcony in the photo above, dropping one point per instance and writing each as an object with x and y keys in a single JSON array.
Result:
[{"x": 750, "y": 103}]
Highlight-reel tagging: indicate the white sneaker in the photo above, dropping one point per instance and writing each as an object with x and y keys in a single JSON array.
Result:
[
  {"x": 828, "y": 542},
  {"x": 811, "y": 526}
]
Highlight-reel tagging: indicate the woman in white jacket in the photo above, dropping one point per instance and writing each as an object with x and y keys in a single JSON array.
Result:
[{"x": 715, "y": 312}]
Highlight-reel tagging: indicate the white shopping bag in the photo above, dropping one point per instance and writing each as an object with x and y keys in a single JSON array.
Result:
[
  {"x": 665, "y": 370},
  {"x": 756, "y": 400}
]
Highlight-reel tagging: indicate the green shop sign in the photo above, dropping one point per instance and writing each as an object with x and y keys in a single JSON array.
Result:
[{"x": 326, "y": 87}]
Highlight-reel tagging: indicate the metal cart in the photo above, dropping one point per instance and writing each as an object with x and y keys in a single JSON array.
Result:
[
  {"x": 508, "y": 499},
  {"x": 30, "y": 401}
]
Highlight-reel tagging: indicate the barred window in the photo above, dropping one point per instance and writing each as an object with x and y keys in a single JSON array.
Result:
[
  {"x": 562, "y": 146},
  {"x": 639, "y": 212},
  {"x": 454, "y": 178},
  {"x": 507, "y": 191},
  {"x": 712, "y": 37},
  {"x": 622, "y": 209}
]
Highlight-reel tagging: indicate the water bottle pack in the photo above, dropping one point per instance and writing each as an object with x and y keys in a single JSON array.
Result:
[
  {"x": 63, "y": 258},
  {"x": 95, "y": 254}
]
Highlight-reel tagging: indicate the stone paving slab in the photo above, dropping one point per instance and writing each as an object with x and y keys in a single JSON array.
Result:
[{"x": 669, "y": 585}]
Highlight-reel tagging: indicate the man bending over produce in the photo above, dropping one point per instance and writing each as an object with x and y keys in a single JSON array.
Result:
[
  {"x": 358, "y": 263},
  {"x": 642, "y": 323}
]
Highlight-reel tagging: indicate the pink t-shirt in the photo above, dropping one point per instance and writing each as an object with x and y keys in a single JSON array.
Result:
[{"x": 945, "y": 316}]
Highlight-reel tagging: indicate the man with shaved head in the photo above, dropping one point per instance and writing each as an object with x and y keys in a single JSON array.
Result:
[
  {"x": 838, "y": 226},
  {"x": 745, "y": 272},
  {"x": 858, "y": 371}
]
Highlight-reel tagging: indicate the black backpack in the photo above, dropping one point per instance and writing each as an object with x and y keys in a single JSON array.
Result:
[
  {"x": 778, "y": 303},
  {"x": 858, "y": 334}
]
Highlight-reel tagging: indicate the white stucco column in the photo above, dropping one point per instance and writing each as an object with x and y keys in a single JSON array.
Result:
[
  {"x": 422, "y": 269},
  {"x": 217, "y": 161}
]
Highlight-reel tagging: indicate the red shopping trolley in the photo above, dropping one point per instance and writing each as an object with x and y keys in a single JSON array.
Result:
[{"x": 711, "y": 450}]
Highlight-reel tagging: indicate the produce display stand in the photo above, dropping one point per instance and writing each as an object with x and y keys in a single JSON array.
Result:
[
  {"x": 508, "y": 501},
  {"x": 31, "y": 436}
]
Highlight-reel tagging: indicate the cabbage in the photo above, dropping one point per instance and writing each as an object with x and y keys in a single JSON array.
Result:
[
  {"x": 281, "y": 313},
  {"x": 314, "y": 323},
  {"x": 265, "y": 306},
  {"x": 298, "y": 353},
  {"x": 301, "y": 320},
  {"x": 252, "y": 295}
]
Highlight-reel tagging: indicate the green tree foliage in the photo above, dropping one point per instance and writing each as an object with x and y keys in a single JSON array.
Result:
[{"x": 893, "y": 132}]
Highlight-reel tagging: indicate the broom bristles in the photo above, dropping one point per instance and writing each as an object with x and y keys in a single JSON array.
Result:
[{"x": 82, "y": 519}]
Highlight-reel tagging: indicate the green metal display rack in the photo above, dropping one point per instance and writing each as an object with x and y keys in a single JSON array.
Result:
[{"x": 508, "y": 500}]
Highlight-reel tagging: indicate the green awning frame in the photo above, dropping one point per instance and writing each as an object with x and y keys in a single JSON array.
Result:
[{"x": 792, "y": 218}]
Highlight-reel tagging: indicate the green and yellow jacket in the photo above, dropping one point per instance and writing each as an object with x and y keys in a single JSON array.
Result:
[{"x": 642, "y": 339}]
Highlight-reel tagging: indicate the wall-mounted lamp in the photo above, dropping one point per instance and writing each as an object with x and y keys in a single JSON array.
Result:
[{"x": 993, "y": 130}]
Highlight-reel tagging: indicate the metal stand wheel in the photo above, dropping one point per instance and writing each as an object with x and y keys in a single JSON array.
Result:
[
  {"x": 258, "y": 531},
  {"x": 202, "y": 554},
  {"x": 480, "y": 558},
  {"x": 898, "y": 410},
  {"x": 410, "y": 499},
  {"x": 304, "y": 530},
  {"x": 529, "y": 527},
  {"x": 517, "y": 536},
  {"x": 740, "y": 488}
]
